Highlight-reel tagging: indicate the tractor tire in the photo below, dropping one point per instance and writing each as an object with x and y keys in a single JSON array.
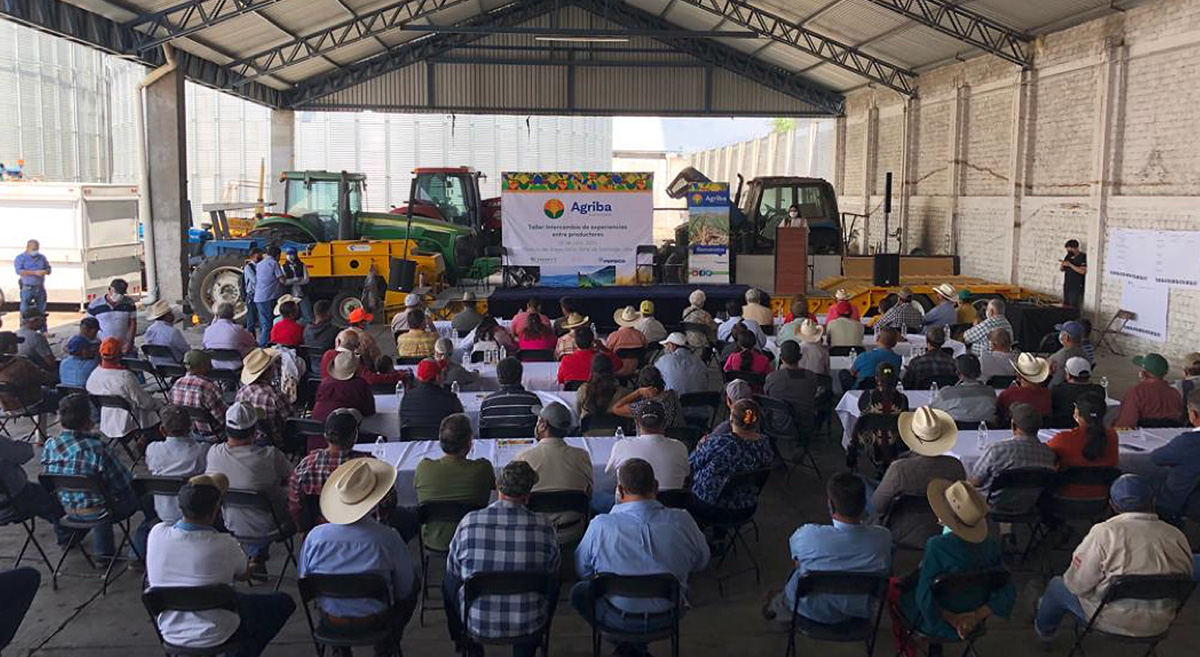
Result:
[
  {"x": 344, "y": 303},
  {"x": 214, "y": 281},
  {"x": 277, "y": 235}
]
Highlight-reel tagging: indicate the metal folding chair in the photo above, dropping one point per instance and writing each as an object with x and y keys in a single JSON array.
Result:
[
  {"x": 958, "y": 593},
  {"x": 782, "y": 426},
  {"x": 11, "y": 514},
  {"x": 436, "y": 511},
  {"x": 817, "y": 583},
  {"x": 1030, "y": 481},
  {"x": 102, "y": 402},
  {"x": 1176, "y": 588},
  {"x": 733, "y": 525},
  {"x": 29, "y": 411},
  {"x": 285, "y": 529},
  {"x": 646, "y": 587},
  {"x": 90, "y": 484},
  {"x": 507, "y": 583},
  {"x": 350, "y": 587},
  {"x": 156, "y": 600}
]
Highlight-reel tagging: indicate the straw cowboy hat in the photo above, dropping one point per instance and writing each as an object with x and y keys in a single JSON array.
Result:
[
  {"x": 255, "y": 363},
  {"x": 810, "y": 331},
  {"x": 282, "y": 300},
  {"x": 575, "y": 320},
  {"x": 947, "y": 291},
  {"x": 627, "y": 316},
  {"x": 1032, "y": 368},
  {"x": 158, "y": 309},
  {"x": 355, "y": 488},
  {"x": 960, "y": 507},
  {"x": 928, "y": 431},
  {"x": 344, "y": 365},
  {"x": 841, "y": 295}
]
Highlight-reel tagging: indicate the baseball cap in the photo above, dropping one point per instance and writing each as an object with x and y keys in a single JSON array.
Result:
[
  {"x": 1192, "y": 360},
  {"x": 196, "y": 358},
  {"x": 677, "y": 339},
  {"x": 217, "y": 480},
  {"x": 1072, "y": 328},
  {"x": 241, "y": 417},
  {"x": 111, "y": 349},
  {"x": 651, "y": 410},
  {"x": 412, "y": 301},
  {"x": 738, "y": 389},
  {"x": 1078, "y": 366},
  {"x": 77, "y": 344},
  {"x": 359, "y": 315},
  {"x": 517, "y": 479},
  {"x": 1153, "y": 363},
  {"x": 428, "y": 370},
  {"x": 1131, "y": 493},
  {"x": 557, "y": 416},
  {"x": 647, "y": 307}
]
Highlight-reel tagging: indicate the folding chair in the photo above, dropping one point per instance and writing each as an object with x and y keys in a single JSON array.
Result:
[
  {"x": 689, "y": 436},
  {"x": 436, "y": 511},
  {"x": 90, "y": 484},
  {"x": 158, "y": 486},
  {"x": 676, "y": 498},
  {"x": 906, "y": 505},
  {"x": 732, "y": 526},
  {"x": 605, "y": 424},
  {"x": 158, "y": 599},
  {"x": 351, "y": 587},
  {"x": 1031, "y": 481},
  {"x": 962, "y": 592},
  {"x": 781, "y": 425},
  {"x": 285, "y": 529},
  {"x": 31, "y": 411},
  {"x": 1090, "y": 509},
  {"x": 1115, "y": 326},
  {"x": 562, "y": 501},
  {"x": 1176, "y": 588},
  {"x": 507, "y": 583},
  {"x": 312, "y": 355},
  {"x": 102, "y": 402},
  {"x": 638, "y": 353},
  {"x": 201, "y": 416},
  {"x": 418, "y": 433},
  {"x": 755, "y": 379},
  {"x": 490, "y": 432},
  {"x": 817, "y": 583},
  {"x": 536, "y": 355},
  {"x": 228, "y": 380},
  {"x": 296, "y": 434},
  {"x": 146, "y": 369},
  {"x": 1000, "y": 382},
  {"x": 702, "y": 406},
  {"x": 225, "y": 356},
  {"x": 645, "y": 587},
  {"x": 10, "y": 514},
  {"x": 164, "y": 363},
  {"x": 844, "y": 351},
  {"x": 572, "y": 386}
]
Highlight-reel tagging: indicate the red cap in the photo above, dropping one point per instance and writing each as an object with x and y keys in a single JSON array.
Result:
[
  {"x": 111, "y": 349},
  {"x": 359, "y": 315},
  {"x": 428, "y": 370}
]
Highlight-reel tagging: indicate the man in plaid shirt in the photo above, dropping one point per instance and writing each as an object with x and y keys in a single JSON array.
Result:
[
  {"x": 260, "y": 392},
  {"x": 903, "y": 316},
  {"x": 935, "y": 364},
  {"x": 80, "y": 451},
  {"x": 977, "y": 336},
  {"x": 504, "y": 537},
  {"x": 196, "y": 390}
]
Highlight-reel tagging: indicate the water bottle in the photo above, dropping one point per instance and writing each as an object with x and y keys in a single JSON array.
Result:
[
  {"x": 853, "y": 355},
  {"x": 1103, "y": 381},
  {"x": 981, "y": 436},
  {"x": 933, "y": 388},
  {"x": 399, "y": 394},
  {"x": 619, "y": 433},
  {"x": 454, "y": 387}
]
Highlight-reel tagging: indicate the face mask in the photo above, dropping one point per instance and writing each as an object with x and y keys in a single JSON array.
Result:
[{"x": 34, "y": 252}]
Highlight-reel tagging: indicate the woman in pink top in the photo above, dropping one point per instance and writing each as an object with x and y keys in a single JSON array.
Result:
[
  {"x": 747, "y": 358},
  {"x": 841, "y": 309},
  {"x": 532, "y": 307},
  {"x": 536, "y": 334}
]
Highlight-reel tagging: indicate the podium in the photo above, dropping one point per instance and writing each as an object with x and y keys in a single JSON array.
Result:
[{"x": 791, "y": 260}]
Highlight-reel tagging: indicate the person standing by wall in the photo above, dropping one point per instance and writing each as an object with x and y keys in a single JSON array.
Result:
[
  {"x": 1074, "y": 268},
  {"x": 268, "y": 287},
  {"x": 33, "y": 268}
]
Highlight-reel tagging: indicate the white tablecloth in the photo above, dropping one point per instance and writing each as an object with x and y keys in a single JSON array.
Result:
[
  {"x": 537, "y": 376},
  {"x": 1135, "y": 447},
  {"x": 386, "y": 419},
  {"x": 847, "y": 409},
  {"x": 406, "y": 456},
  {"x": 904, "y": 348}
]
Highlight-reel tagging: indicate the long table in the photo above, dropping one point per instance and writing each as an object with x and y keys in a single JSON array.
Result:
[
  {"x": 1134, "y": 447},
  {"x": 912, "y": 343},
  {"x": 405, "y": 457},
  {"x": 536, "y": 376},
  {"x": 386, "y": 419}
]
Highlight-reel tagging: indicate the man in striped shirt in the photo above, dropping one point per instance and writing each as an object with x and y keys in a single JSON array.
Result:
[{"x": 513, "y": 406}]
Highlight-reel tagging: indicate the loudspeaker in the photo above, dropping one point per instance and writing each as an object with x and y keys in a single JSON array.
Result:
[
  {"x": 402, "y": 275},
  {"x": 886, "y": 269},
  {"x": 887, "y": 193}
]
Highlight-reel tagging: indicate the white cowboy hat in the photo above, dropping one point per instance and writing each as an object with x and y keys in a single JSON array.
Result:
[
  {"x": 841, "y": 295},
  {"x": 627, "y": 316},
  {"x": 255, "y": 363},
  {"x": 412, "y": 300},
  {"x": 809, "y": 331},
  {"x": 960, "y": 507},
  {"x": 343, "y": 366},
  {"x": 575, "y": 320},
  {"x": 928, "y": 431},
  {"x": 282, "y": 300},
  {"x": 676, "y": 338},
  {"x": 158, "y": 309},
  {"x": 1032, "y": 368},
  {"x": 355, "y": 488},
  {"x": 468, "y": 297},
  {"x": 946, "y": 290}
]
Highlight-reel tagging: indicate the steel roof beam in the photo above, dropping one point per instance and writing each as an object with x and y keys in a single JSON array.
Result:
[
  {"x": 156, "y": 28},
  {"x": 966, "y": 26},
  {"x": 834, "y": 52}
]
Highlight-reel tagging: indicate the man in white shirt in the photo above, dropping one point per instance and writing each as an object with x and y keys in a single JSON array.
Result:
[
  {"x": 734, "y": 312},
  {"x": 648, "y": 324},
  {"x": 559, "y": 466},
  {"x": 176, "y": 455},
  {"x": 682, "y": 370},
  {"x": 251, "y": 467},
  {"x": 224, "y": 333},
  {"x": 667, "y": 456},
  {"x": 111, "y": 379},
  {"x": 116, "y": 313},
  {"x": 163, "y": 333},
  {"x": 191, "y": 552}
]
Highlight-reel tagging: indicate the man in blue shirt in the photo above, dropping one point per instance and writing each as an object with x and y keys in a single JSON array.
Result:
[
  {"x": 864, "y": 366},
  {"x": 638, "y": 537},
  {"x": 845, "y": 546},
  {"x": 252, "y": 258},
  {"x": 682, "y": 370},
  {"x": 81, "y": 359},
  {"x": 354, "y": 543},
  {"x": 944, "y": 313},
  {"x": 1181, "y": 458},
  {"x": 32, "y": 267},
  {"x": 268, "y": 287}
]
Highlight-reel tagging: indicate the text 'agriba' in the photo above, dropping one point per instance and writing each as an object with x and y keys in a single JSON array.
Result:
[{"x": 589, "y": 207}]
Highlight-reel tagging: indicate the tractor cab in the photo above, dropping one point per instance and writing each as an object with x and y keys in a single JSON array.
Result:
[
  {"x": 326, "y": 202},
  {"x": 447, "y": 194},
  {"x": 764, "y": 206}
]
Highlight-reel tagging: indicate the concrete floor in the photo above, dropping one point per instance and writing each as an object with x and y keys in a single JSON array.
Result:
[{"x": 76, "y": 619}]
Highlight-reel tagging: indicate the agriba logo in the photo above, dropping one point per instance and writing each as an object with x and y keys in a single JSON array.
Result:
[{"x": 554, "y": 208}]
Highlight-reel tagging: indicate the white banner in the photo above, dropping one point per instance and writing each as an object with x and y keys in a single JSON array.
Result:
[
  {"x": 1148, "y": 302},
  {"x": 1166, "y": 257},
  {"x": 583, "y": 234}
]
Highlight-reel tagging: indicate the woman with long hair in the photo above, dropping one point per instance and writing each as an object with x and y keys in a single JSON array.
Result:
[
  {"x": 747, "y": 357},
  {"x": 1089, "y": 445},
  {"x": 532, "y": 307},
  {"x": 883, "y": 399},
  {"x": 597, "y": 394},
  {"x": 536, "y": 335},
  {"x": 723, "y": 456},
  {"x": 491, "y": 338},
  {"x": 651, "y": 386}
]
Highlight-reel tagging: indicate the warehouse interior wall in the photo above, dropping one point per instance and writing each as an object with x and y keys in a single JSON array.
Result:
[{"x": 1002, "y": 166}]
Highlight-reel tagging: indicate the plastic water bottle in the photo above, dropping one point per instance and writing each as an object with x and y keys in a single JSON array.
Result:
[
  {"x": 981, "y": 436},
  {"x": 399, "y": 394},
  {"x": 933, "y": 388},
  {"x": 619, "y": 433},
  {"x": 454, "y": 387},
  {"x": 1103, "y": 381},
  {"x": 853, "y": 355}
]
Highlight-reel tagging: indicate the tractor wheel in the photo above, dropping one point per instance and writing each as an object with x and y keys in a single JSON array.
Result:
[
  {"x": 217, "y": 280},
  {"x": 346, "y": 302},
  {"x": 277, "y": 235}
]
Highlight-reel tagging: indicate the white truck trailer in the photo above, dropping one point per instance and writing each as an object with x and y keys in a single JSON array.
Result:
[{"x": 89, "y": 232}]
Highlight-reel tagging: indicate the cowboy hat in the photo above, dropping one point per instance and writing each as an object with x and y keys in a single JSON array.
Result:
[
  {"x": 575, "y": 320},
  {"x": 627, "y": 316},
  {"x": 343, "y": 366},
  {"x": 946, "y": 290},
  {"x": 282, "y": 300},
  {"x": 355, "y": 488},
  {"x": 809, "y": 331},
  {"x": 1032, "y": 368},
  {"x": 960, "y": 507},
  {"x": 928, "y": 431},
  {"x": 158, "y": 309},
  {"x": 255, "y": 363},
  {"x": 841, "y": 295}
]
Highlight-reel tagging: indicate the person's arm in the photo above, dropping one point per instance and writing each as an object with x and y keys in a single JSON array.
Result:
[
  {"x": 1086, "y": 571},
  {"x": 699, "y": 546},
  {"x": 585, "y": 552},
  {"x": 1127, "y": 416},
  {"x": 881, "y": 500},
  {"x": 367, "y": 403},
  {"x": 283, "y": 467},
  {"x": 141, "y": 399},
  {"x": 701, "y": 457},
  {"x": 294, "y": 508},
  {"x": 621, "y": 407},
  {"x": 1168, "y": 455},
  {"x": 15, "y": 452}
]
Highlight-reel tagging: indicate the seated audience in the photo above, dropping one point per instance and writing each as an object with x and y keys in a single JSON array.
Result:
[
  {"x": 287, "y": 330},
  {"x": 1090, "y": 444},
  {"x": 82, "y": 358},
  {"x": 1132, "y": 542},
  {"x": 965, "y": 547},
  {"x": 33, "y": 344},
  {"x": 467, "y": 319},
  {"x": 733, "y": 392},
  {"x": 113, "y": 380},
  {"x": 1030, "y": 388},
  {"x": 490, "y": 341},
  {"x": 567, "y": 343},
  {"x": 794, "y": 385},
  {"x": 452, "y": 372},
  {"x": 504, "y": 537},
  {"x": 196, "y": 390},
  {"x": 1070, "y": 336},
  {"x": 734, "y": 313},
  {"x": 20, "y": 496},
  {"x": 843, "y": 330},
  {"x": 1181, "y": 458},
  {"x": 224, "y": 333},
  {"x": 907, "y": 315},
  {"x": 935, "y": 364},
  {"x": 798, "y": 309},
  {"x": 360, "y": 321},
  {"x": 26, "y": 378},
  {"x": 883, "y": 399},
  {"x": 648, "y": 325},
  {"x": 351, "y": 340},
  {"x": 259, "y": 371},
  {"x": 638, "y": 537},
  {"x": 560, "y": 467},
  {"x": 452, "y": 477},
  {"x": 999, "y": 359},
  {"x": 970, "y": 400},
  {"x": 702, "y": 329},
  {"x": 814, "y": 355},
  {"x": 965, "y": 310},
  {"x": 596, "y": 395},
  {"x": 532, "y": 307},
  {"x": 400, "y": 320},
  {"x": 720, "y": 457},
  {"x": 929, "y": 435},
  {"x": 681, "y": 369},
  {"x": 353, "y": 542},
  {"x": 163, "y": 332},
  {"x": 321, "y": 333},
  {"x": 747, "y": 358},
  {"x": 755, "y": 310},
  {"x": 842, "y": 308},
  {"x": 176, "y": 455},
  {"x": 251, "y": 467},
  {"x": 89, "y": 327},
  {"x": 946, "y": 312},
  {"x": 651, "y": 387},
  {"x": 428, "y": 402},
  {"x": 314, "y": 470},
  {"x": 626, "y": 337},
  {"x": 1153, "y": 400},
  {"x": 667, "y": 456},
  {"x": 864, "y": 366},
  {"x": 192, "y": 552},
  {"x": 343, "y": 388},
  {"x": 979, "y": 335},
  {"x": 577, "y": 365},
  {"x": 512, "y": 406},
  {"x": 846, "y": 546},
  {"x": 536, "y": 335},
  {"x": 1023, "y": 451},
  {"x": 417, "y": 341},
  {"x": 1077, "y": 384}
]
